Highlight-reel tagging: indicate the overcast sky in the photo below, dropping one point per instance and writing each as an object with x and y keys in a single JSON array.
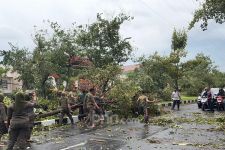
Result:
[{"x": 151, "y": 29}]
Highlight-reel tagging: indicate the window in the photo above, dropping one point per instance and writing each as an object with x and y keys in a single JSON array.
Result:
[{"x": 4, "y": 84}]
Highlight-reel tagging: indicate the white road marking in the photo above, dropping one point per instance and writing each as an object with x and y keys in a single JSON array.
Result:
[{"x": 77, "y": 145}]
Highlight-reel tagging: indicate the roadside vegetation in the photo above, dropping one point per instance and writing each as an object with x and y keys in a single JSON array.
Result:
[{"x": 102, "y": 43}]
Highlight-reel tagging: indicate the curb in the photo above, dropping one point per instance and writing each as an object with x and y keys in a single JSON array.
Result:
[
  {"x": 55, "y": 121},
  {"x": 65, "y": 120},
  {"x": 169, "y": 104}
]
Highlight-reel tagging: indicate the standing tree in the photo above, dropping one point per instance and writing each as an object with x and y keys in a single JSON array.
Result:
[
  {"x": 153, "y": 76},
  {"x": 198, "y": 74},
  {"x": 105, "y": 47},
  {"x": 179, "y": 42},
  {"x": 103, "y": 43},
  {"x": 21, "y": 61},
  {"x": 210, "y": 9}
]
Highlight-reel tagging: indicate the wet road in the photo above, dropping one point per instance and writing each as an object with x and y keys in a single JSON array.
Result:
[{"x": 187, "y": 129}]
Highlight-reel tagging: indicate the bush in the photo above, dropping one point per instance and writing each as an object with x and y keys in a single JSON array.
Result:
[
  {"x": 122, "y": 93},
  {"x": 166, "y": 94},
  {"x": 7, "y": 101},
  {"x": 48, "y": 104}
]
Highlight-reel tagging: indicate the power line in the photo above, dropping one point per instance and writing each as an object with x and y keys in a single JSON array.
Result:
[{"x": 155, "y": 12}]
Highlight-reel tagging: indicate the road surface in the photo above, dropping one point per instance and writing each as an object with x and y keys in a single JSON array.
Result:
[{"x": 187, "y": 129}]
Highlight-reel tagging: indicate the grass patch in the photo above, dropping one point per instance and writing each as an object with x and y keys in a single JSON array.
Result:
[
  {"x": 161, "y": 121},
  {"x": 188, "y": 97}
]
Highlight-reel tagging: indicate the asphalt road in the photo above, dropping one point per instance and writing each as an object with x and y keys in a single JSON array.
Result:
[{"x": 187, "y": 129}]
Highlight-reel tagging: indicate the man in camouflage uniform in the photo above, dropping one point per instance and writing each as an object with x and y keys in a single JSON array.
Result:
[
  {"x": 65, "y": 108},
  {"x": 3, "y": 117},
  {"x": 18, "y": 119},
  {"x": 143, "y": 106},
  {"x": 80, "y": 100},
  {"x": 89, "y": 106},
  {"x": 31, "y": 96}
]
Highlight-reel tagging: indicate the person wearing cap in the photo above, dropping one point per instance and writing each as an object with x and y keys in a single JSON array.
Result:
[
  {"x": 18, "y": 121},
  {"x": 89, "y": 106},
  {"x": 65, "y": 108},
  {"x": 3, "y": 117}
]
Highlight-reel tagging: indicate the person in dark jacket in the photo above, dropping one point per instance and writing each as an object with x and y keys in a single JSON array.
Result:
[
  {"x": 3, "y": 117},
  {"x": 221, "y": 92},
  {"x": 208, "y": 94},
  {"x": 18, "y": 120}
]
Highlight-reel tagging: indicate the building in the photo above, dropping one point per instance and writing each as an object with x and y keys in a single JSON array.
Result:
[
  {"x": 10, "y": 83},
  {"x": 128, "y": 69}
]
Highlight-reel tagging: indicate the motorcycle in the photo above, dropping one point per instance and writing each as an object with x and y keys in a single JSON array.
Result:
[
  {"x": 219, "y": 103},
  {"x": 204, "y": 101},
  {"x": 199, "y": 101}
]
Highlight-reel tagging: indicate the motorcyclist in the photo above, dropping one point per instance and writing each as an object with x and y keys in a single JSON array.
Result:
[
  {"x": 222, "y": 93},
  {"x": 205, "y": 93},
  {"x": 208, "y": 94}
]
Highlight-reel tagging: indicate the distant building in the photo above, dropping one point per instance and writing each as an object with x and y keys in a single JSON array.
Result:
[
  {"x": 10, "y": 83},
  {"x": 128, "y": 69}
]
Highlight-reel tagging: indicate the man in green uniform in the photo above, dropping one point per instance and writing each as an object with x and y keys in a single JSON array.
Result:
[
  {"x": 65, "y": 108},
  {"x": 18, "y": 120},
  {"x": 80, "y": 100},
  {"x": 3, "y": 117},
  {"x": 89, "y": 106},
  {"x": 31, "y": 96},
  {"x": 143, "y": 104}
]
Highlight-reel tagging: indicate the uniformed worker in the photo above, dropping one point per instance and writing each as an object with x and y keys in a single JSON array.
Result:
[
  {"x": 72, "y": 98},
  {"x": 143, "y": 107},
  {"x": 30, "y": 97},
  {"x": 89, "y": 106},
  {"x": 142, "y": 103},
  {"x": 65, "y": 108},
  {"x": 80, "y": 100},
  {"x": 18, "y": 119},
  {"x": 3, "y": 117}
]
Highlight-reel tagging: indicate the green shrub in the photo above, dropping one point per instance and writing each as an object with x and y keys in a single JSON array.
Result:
[
  {"x": 122, "y": 93},
  {"x": 49, "y": 104},
  {"x": 7, "y": 101}
]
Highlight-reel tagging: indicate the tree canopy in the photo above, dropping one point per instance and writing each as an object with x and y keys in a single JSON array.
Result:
[
  {"x": 100, "y": 41},
  {"x": 210, "y": 9}
]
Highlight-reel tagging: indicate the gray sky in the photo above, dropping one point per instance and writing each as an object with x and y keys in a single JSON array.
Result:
[{"x": 151, "y": 29}]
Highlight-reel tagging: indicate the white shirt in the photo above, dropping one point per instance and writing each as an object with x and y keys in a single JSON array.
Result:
[{"x": 175, "y": 95}]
